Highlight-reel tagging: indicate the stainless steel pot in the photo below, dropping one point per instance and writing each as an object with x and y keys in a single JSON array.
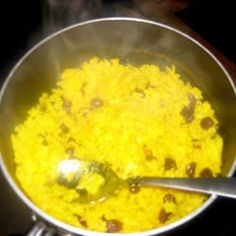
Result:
[{"x": 133, "y": 40}]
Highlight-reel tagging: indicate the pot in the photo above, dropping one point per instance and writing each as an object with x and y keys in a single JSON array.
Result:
[{"x": 132, "y": 40}]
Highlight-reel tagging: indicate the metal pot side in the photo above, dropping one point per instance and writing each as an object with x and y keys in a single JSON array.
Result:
[{"x": 132, "y": 40}]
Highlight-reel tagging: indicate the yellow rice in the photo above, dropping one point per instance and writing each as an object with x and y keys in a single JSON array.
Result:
[{"x": 137, "y": 126}]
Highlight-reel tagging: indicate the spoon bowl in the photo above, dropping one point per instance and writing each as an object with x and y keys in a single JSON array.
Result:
[{"x": 70, "y": 173}]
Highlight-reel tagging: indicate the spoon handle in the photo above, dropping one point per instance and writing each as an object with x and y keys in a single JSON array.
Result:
[{"x": 220, "y": 186}]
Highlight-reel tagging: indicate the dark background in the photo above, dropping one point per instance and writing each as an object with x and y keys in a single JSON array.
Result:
[{"x": 21, "y": 25}]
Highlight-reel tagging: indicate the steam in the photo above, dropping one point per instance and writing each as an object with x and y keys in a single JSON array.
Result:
[{"x": 58, "y": 14}]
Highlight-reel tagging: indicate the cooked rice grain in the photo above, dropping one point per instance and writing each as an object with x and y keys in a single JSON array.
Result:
[{"x": 141, "y": 120}]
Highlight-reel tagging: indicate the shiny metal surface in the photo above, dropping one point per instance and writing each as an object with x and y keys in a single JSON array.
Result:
[
  {"x": 38, "y": 230},
  {"x": 12, "y": 211},
  {"x": 77, "y": 168},
  {"x": 225, "y": 187},
  {"x": 132, "y": 40},
  {"x": 70, "y": 172},
  {"x": 41, "y": 229}
]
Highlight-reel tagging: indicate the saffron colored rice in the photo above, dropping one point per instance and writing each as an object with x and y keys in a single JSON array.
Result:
[{"x": 141, "y": 121}]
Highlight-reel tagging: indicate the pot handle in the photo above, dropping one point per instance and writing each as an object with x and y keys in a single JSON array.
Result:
[{"x": 40, "y": 229}]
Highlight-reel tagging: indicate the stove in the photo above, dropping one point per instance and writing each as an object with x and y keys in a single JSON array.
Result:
[{"x": 23, "y": 24}]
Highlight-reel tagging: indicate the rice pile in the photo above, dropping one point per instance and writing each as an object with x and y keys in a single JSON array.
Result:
[{"x": 141, "y": 121}]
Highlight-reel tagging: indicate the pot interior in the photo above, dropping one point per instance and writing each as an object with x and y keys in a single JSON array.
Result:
[{"x": 133, "y": 42}]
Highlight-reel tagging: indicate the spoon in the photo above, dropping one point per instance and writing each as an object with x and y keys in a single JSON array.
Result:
[{"x": 71, "y": 171}]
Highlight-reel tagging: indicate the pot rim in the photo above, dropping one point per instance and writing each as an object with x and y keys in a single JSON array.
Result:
[{"x": 76, "y": 230}]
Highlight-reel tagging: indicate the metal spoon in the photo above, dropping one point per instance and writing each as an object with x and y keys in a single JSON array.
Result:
[{"x": 70, "y": 171}]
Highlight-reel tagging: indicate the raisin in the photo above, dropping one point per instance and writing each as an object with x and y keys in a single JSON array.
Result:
[
  {"x": 206, "y": 173},
  {"x": 164, "y": 216},
  {"x": 112, "y": 225},
  {"x": 96, "y": 102},
  {"x": 191, "y": 168},
  {"x": 170, "y": 164},
  {"x": 169, "y": 198},
  {"x": 134, "y": 188},
  {"x": 81, "y": 220},
  {"x": 206, "y": 123},
  {"x": 188, "y": 111},
  {"x": 188, "y": 114}
]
